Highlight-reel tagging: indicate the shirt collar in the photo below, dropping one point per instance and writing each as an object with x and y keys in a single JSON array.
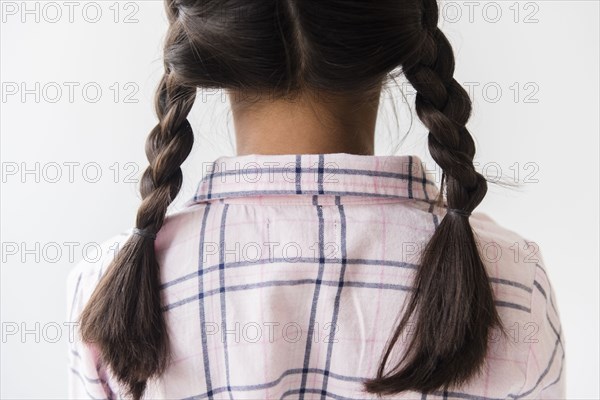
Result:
[{"x": 296, "y": 176}]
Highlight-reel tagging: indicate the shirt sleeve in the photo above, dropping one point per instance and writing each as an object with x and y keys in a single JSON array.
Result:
[
  {"x": 546, "y": 360},
  {"x": 88, "y": 379}
]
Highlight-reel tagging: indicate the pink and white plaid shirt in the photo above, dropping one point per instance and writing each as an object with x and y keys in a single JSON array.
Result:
[{"x": 284, "y": 276}]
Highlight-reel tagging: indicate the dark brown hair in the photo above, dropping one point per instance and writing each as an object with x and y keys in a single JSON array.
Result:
[{"x": 329, "y": 47}]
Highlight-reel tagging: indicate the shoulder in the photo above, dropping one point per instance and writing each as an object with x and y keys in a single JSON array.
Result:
[
  {"x": 181, "y": 226},
  {"x": 506, "y": 251},
  {"x": 178, "y": 227},
  {"x": 87, "y": 377},
  {"x": 518, "y": 272},
  {"x": 82, "y": 279},
  {"x": 513, "y": 263},
  {"x": 489, "y": 230}
]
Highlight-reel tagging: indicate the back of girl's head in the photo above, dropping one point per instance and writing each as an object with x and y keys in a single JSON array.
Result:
[
  {"x": 285, "y": 46},
  {"x": 328, "y": 48}
]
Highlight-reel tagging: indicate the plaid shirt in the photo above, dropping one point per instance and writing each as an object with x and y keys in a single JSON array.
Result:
[{"x": 284, "y": 276}]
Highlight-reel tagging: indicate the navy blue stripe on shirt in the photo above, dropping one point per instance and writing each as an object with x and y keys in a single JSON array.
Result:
[
  {"x": 336, "y": 303},
  {"x": 309, "y": 260},
  {"x": 282, "y": 283},
  {"x": 324, "y": 170},
  {"x": 320, "y": 173},
  {"x": 201, "y": 311},
  {"x": 410, "y": 177},
  {"x": 298, "y": 174},
  {"x": 315, "y": 299},
  {"x": 222, "y": 292}
]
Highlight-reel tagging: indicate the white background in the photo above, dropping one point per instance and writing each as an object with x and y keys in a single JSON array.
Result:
[{"x": 546, "y": 53}]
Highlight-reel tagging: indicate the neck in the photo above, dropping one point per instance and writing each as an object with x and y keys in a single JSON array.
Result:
[{"x": 305, "y": 125}]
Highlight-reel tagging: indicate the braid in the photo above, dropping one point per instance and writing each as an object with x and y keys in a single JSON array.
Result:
[
  {"x": 124, "y": 317},
  {"x": 452, "y": 296},
  {"x": 167, "y": 146},
  {"x": 445, "y": 107}
]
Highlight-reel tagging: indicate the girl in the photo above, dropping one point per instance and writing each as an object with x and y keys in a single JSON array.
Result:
[{"x": 305, "y": 266}]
